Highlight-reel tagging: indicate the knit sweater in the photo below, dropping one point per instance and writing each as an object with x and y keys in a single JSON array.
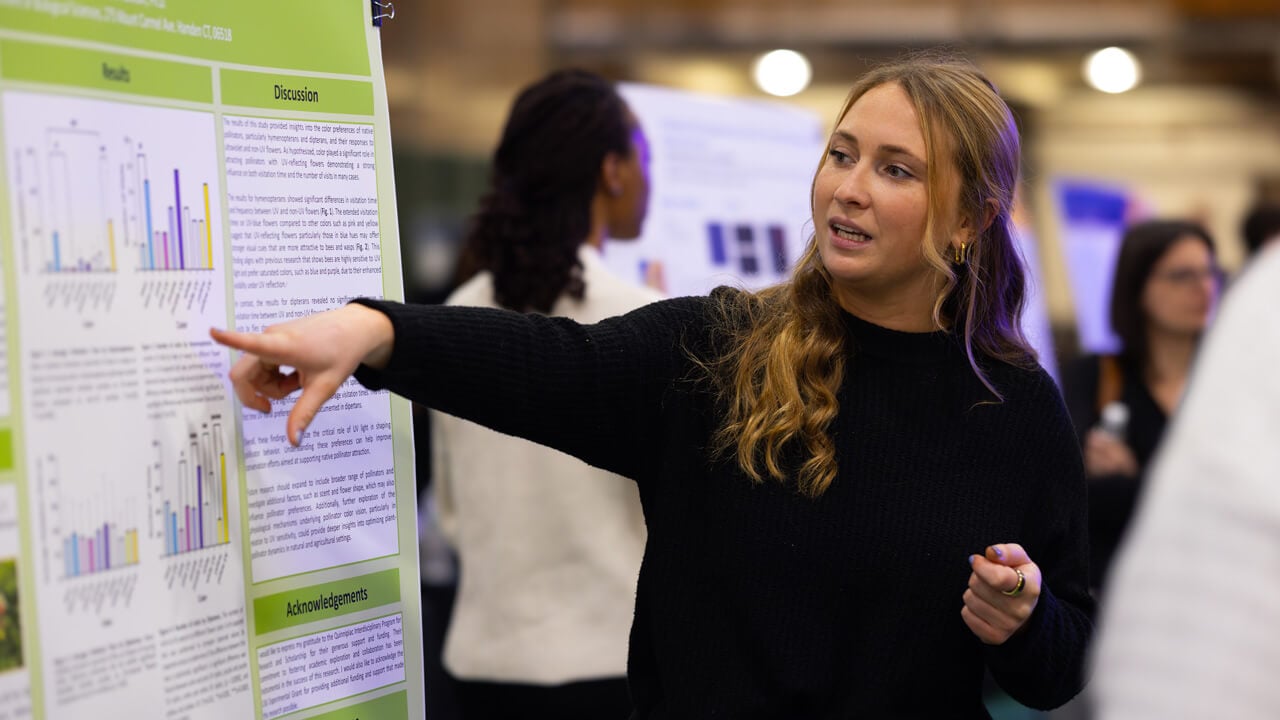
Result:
[{"x": 755, "y": 601}]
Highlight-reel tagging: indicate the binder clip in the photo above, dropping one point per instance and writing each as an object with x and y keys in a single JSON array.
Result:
[{"x": 383, "y": 10}]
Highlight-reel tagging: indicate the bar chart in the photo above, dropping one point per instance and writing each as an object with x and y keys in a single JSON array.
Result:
[
  {"x": 188, "y": 487},
  {"x": 186, "y": 242},
  {"x": 746, "y": 249},
  {"x": 91, "y": 523},
  {"x": 100, "y": 549},
  {"x": 94, "y": 192}
]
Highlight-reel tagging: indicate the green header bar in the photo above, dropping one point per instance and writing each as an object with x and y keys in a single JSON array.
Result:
[
  {"x": 290, "y": 92},
  {"x": 317, "y": 35},
  {"x": 318, "y": 602},
  {"x": 99, "y": 70},
  {"x": 6, "y": 449},
  {"x": 388, "y": 707}
]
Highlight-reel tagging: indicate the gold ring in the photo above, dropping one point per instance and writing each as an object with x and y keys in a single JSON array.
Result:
[{"x": 1017, "y": 589}]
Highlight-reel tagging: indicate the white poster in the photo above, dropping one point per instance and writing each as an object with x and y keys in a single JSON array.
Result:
[
  {"x": 166, "y": 168},
  {"x": 730, "y": 179}
]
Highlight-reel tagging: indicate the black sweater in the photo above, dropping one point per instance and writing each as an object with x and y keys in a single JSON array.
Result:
[{"x": 754, "y": 601}]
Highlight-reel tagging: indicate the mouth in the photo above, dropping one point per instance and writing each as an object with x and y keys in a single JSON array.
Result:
[{"x": 848, "y": 232}]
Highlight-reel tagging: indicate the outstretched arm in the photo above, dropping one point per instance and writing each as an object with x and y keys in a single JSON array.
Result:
[
  {"x": 323, "y": 350},
  {"x": 593, "y": 391}
]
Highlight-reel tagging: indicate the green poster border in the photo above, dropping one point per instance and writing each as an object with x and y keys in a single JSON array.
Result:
[
  {"x": 317, "y": 35},
  {"x": 279, "y": 52}
]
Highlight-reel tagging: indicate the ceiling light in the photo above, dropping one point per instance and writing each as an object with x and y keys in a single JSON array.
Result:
[
  {"x": 1112, "y": 70},
  {"x": 782, "y": 72}
]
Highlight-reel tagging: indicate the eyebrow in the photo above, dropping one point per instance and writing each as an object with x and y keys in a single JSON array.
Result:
[{"x": 890, "y": 149}]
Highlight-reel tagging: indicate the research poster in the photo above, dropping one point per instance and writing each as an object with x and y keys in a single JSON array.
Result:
[
  {"x": 1092, "y": 216},
  {"x": 170, "y": 166},
  {"x": 729, "y": 197}
]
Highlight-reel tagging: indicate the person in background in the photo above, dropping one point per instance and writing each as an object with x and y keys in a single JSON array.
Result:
[
  {"x": 1162, "y": 299},
  {"x": 860, "y": 488},
  {"x": 1191, "y": 614},
  {"x": 549, "y": 548},
  {"x": 1261, "y": 227}
]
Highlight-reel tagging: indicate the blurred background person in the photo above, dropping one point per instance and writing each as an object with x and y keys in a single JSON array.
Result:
[
  {"x": 1261, "y": 227},
  {"x": 1190, "y": 619},
  {"x": 549, "y": 548},
  {"x": 1163, "y": 297}
]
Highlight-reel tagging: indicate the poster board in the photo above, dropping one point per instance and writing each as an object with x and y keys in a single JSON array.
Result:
[
  {"x": 168, "y": 166},
  {"x": 1092, "y": 218},
  {"x": 730, "y": 178}
]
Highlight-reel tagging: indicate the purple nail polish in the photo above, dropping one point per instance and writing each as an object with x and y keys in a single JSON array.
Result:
[
  {"x": 971, "y": 557},
  {"x": 999, "y": 553}
]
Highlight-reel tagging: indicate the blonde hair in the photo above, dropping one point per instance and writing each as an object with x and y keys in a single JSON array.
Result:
[{"x": 784, "y": 360}]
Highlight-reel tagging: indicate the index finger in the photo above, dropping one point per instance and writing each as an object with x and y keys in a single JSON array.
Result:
[
  {"x": 1008, "y": 554},
  {"x": 994, "y": 575},
  {"x": 313, "y": 397},
  {"x": 272, "y": 348}
]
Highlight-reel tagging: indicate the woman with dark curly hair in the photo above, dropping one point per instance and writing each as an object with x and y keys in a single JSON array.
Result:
[
  {"x": 571, "y": 169},
  {"x": 549, "y": 547},
  {"x": 861, "y": 490}
]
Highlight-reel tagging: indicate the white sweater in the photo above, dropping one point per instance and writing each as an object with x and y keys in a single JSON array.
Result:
[
  {"x": 549, "y": 547},
  {"x": 1191, "y": 623}
]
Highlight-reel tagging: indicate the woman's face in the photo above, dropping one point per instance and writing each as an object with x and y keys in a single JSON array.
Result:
[
  {"x": 871, "y": 205},
  {"x": 1182, "y": 292},
  {"x": 631, "y": 204}
]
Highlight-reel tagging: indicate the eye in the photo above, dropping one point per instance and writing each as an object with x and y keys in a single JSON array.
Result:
[
  {"x": 839, "y": 156},
  {"x": 897, "y": 172}
]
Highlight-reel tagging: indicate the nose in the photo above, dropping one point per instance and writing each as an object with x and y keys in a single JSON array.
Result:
[{"x": 852, "y": 189}]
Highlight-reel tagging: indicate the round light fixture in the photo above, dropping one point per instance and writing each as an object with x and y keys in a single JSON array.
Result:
[
  {"x": 1112, "y": 70},
  {"x": 782, "y": 72}
]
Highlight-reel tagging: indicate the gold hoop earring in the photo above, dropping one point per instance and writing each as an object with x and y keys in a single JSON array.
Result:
[{"x": 961, "y": 253}]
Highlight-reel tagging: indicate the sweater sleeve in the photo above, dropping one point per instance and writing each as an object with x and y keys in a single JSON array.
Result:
[
  {"x": 1043, "y": 665},
  {"x": 592, "y": 391}
]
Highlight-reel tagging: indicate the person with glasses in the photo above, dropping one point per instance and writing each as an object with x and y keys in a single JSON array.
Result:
[
  {"x": 1190, "y": 619},
  {"x": 1163, "y": 296}
]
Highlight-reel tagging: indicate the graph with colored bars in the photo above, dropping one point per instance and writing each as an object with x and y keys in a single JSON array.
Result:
[
  {"x": 90, "y": 202},
  {"x": 189, "y": 491},
  {"x": 743, "y": 254},
  {"x": 104, "y": 548},
  {"x": 91, "y": 526}
]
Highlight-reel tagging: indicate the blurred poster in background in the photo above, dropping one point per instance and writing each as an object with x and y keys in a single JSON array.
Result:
[
  {"x": 1036, "y": 324},
  {"x": 730, "y": 180},
  {"x": 1092, "y": 217}
]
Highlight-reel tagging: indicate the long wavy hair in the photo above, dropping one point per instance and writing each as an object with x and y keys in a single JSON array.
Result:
[
  {"x": 537, "y": 210},
  {"x": 784, "y": 361}
]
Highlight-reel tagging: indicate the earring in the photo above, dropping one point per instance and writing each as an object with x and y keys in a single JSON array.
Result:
[{"x": 961, "y": 253}]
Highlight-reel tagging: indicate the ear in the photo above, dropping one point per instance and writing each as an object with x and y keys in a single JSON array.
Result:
[
  {"x": 611, "y": 174},
  {"x": 989, "y": 211},
  {"x": 966, "y": 231}
]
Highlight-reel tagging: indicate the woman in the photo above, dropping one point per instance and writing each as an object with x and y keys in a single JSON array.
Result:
[
  {"x": 860, "y": 489},
  {"x": 1164, "y": 294},
  {"x": 550, "y": 548}
]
